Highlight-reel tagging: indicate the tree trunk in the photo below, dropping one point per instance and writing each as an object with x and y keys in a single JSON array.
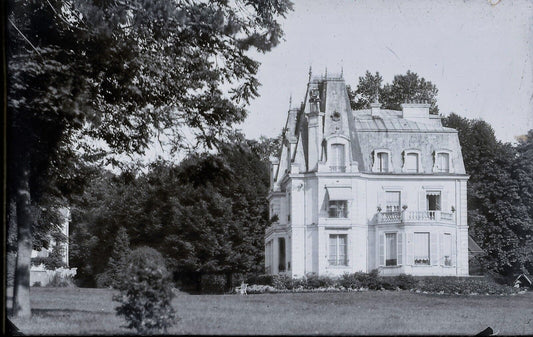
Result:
[{"x": 21, "y": 291}]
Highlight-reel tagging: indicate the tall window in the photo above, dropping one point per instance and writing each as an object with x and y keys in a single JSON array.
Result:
[
  {"x": 443, "y": 162},
  {"x": 281, "y": 246},
  {"x": 421, "y": 248},
  {"x": 393, "y": 202},
  {"x": 411, "y": 162},
  {"x": 337, "y": 161},
  {"x": 337, "y": 250},
  {"x": 338, "y": 209},
  {"x": 447, "y": 249},
  {"x": 391, "y": 249},
  {"x": 383, "y": 162},
  {"x": 433, "y": 201}
]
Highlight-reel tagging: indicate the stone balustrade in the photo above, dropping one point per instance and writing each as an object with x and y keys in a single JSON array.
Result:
[{"x": 415, "y": 216}]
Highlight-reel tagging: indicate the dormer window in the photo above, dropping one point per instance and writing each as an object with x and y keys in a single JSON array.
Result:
[
  {"x": 337, "y": 162},
  {"x": 411, "y": 161},
  {"x": 442, "y": 162},
  {"x": 381, "y": 161}
]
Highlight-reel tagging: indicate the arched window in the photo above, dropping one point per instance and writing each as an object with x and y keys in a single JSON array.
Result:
[
  {"x": 411, "y": 162},
  {"x": 337, "y": 161}
]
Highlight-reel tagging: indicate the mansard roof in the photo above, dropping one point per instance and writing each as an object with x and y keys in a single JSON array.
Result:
[{"x": 392, "y": 120}]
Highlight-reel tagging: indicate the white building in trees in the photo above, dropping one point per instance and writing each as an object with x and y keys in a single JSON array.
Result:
[{"x": 366, "y": 189}]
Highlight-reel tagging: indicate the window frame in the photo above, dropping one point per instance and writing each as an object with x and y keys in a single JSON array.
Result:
[
  {"x": 337, "y": 140},
  {"x": 345, "y": 212},
  {"x": 389, "y": 192},
  {"x": 385, "y": 250},
  {"x": 375, "y": 164},
  {"x": 336, "y": 261},
  {"x": 435, "y": 161},
  {"x": 426, "y": 260},
  {"x": 416, "y": 152}
]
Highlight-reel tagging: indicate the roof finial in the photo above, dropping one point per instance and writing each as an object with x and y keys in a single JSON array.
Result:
[
  {"x": 342, "y": 71},
  {"x": 326, "y": 72},
  {"x": 290, "y": 101},
  {"x": 310, "y": 72},
  {"x": 376, "y": 96}
]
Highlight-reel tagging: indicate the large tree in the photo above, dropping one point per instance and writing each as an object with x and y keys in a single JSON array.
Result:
[
  {"x": 403, "y": 89},
  {"x": 498, "y": 203},
  {"x": 121, "y": 73},
  {"x": 206, "y": 215}
]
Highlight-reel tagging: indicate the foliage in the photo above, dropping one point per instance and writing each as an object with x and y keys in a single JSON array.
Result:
[
  {"x": 404, "y": 88},
  {"x": 313, "y": 281},
  {"x": 463, "y": 286},
  {"x": 120, "y": 74},
  {"x": 146, "y": 292},
  {"x": 61, "y": 281},
  {"x": 499, "y": 215},
  {"x": 358, "y": 280},
  {"x": 206, "y": 215},
  {"x": 112, "y": 276},
  {"x": 374, "y": 281},
  {"x": 213, "y": 284}
]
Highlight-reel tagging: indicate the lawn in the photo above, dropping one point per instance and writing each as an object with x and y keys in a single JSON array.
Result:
[{"x": 91, "y": 311}]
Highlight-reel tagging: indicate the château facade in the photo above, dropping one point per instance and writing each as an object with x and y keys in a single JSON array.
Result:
[{"x": 366, "y": 189}]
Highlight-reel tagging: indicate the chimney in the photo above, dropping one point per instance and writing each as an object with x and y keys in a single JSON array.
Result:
[
  {"x": 416, "y": 111},
  {"x": 375, "y": 106}
]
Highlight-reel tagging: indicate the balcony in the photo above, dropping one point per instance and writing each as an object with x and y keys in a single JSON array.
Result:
[{"x": 415, "y": 216}]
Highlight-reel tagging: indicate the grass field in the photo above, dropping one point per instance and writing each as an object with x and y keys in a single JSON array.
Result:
[{"x": 91, "y": 311}]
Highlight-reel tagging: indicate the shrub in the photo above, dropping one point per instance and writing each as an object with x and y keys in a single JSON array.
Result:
[
  {"x": 61, "y": 281},
  {"x": 111, "y": 277},
  {"x": 146, "y": 292},
  {"x": 213, "y": 283},
  {"x": 264, "y": 279},
  {"x": 37, "y": 284},
  {"x": 283, "y": 282},
  {"x": 463, "y": 285},
  {"x": 312, "y": 281}
]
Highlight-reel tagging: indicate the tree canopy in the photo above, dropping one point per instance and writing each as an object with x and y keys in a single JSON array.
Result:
[
  {"x": 120, "y": 73},
  {"x": 499, "y": 207},
  {"x": 206, "y": 215},
  {"x": 404, "y": 88}
]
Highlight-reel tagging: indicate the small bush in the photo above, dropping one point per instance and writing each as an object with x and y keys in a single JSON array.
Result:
[
  {"x": 60, "y": 281},
  {"x": 463, "y": 286},
  {"x": 312, "y": 281},
  {"x": 283, "y": 282},
  {"x": 213, "y": 284},
  {"x": 37, "y": 284},
  {"x": 264, "y": 279},
  {"x": 146, "y": 292}
]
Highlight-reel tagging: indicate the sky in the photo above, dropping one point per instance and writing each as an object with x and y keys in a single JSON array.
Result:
[{"x": 478, "y": 53}]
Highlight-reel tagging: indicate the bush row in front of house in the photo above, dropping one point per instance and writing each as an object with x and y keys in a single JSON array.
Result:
[{"x": 374, "y": 281}]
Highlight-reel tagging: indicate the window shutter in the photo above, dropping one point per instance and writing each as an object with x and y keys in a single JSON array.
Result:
[
  {"x": 447, "y": 201},
  {"x": 441, "y": 249},
  {"x": 381, "y": 249},
  {"x": 400, "y": 248},
  {"x": 454, "y": 250},
  {"x": 409, "y": 248},
  {"x": 433, "y": 253}
]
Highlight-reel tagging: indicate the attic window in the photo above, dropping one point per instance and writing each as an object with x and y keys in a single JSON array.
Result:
[
  {"x": 411, "y": 161},
  {"x": 382, "y": 162},
  {"x": 336, "y": 116}
]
